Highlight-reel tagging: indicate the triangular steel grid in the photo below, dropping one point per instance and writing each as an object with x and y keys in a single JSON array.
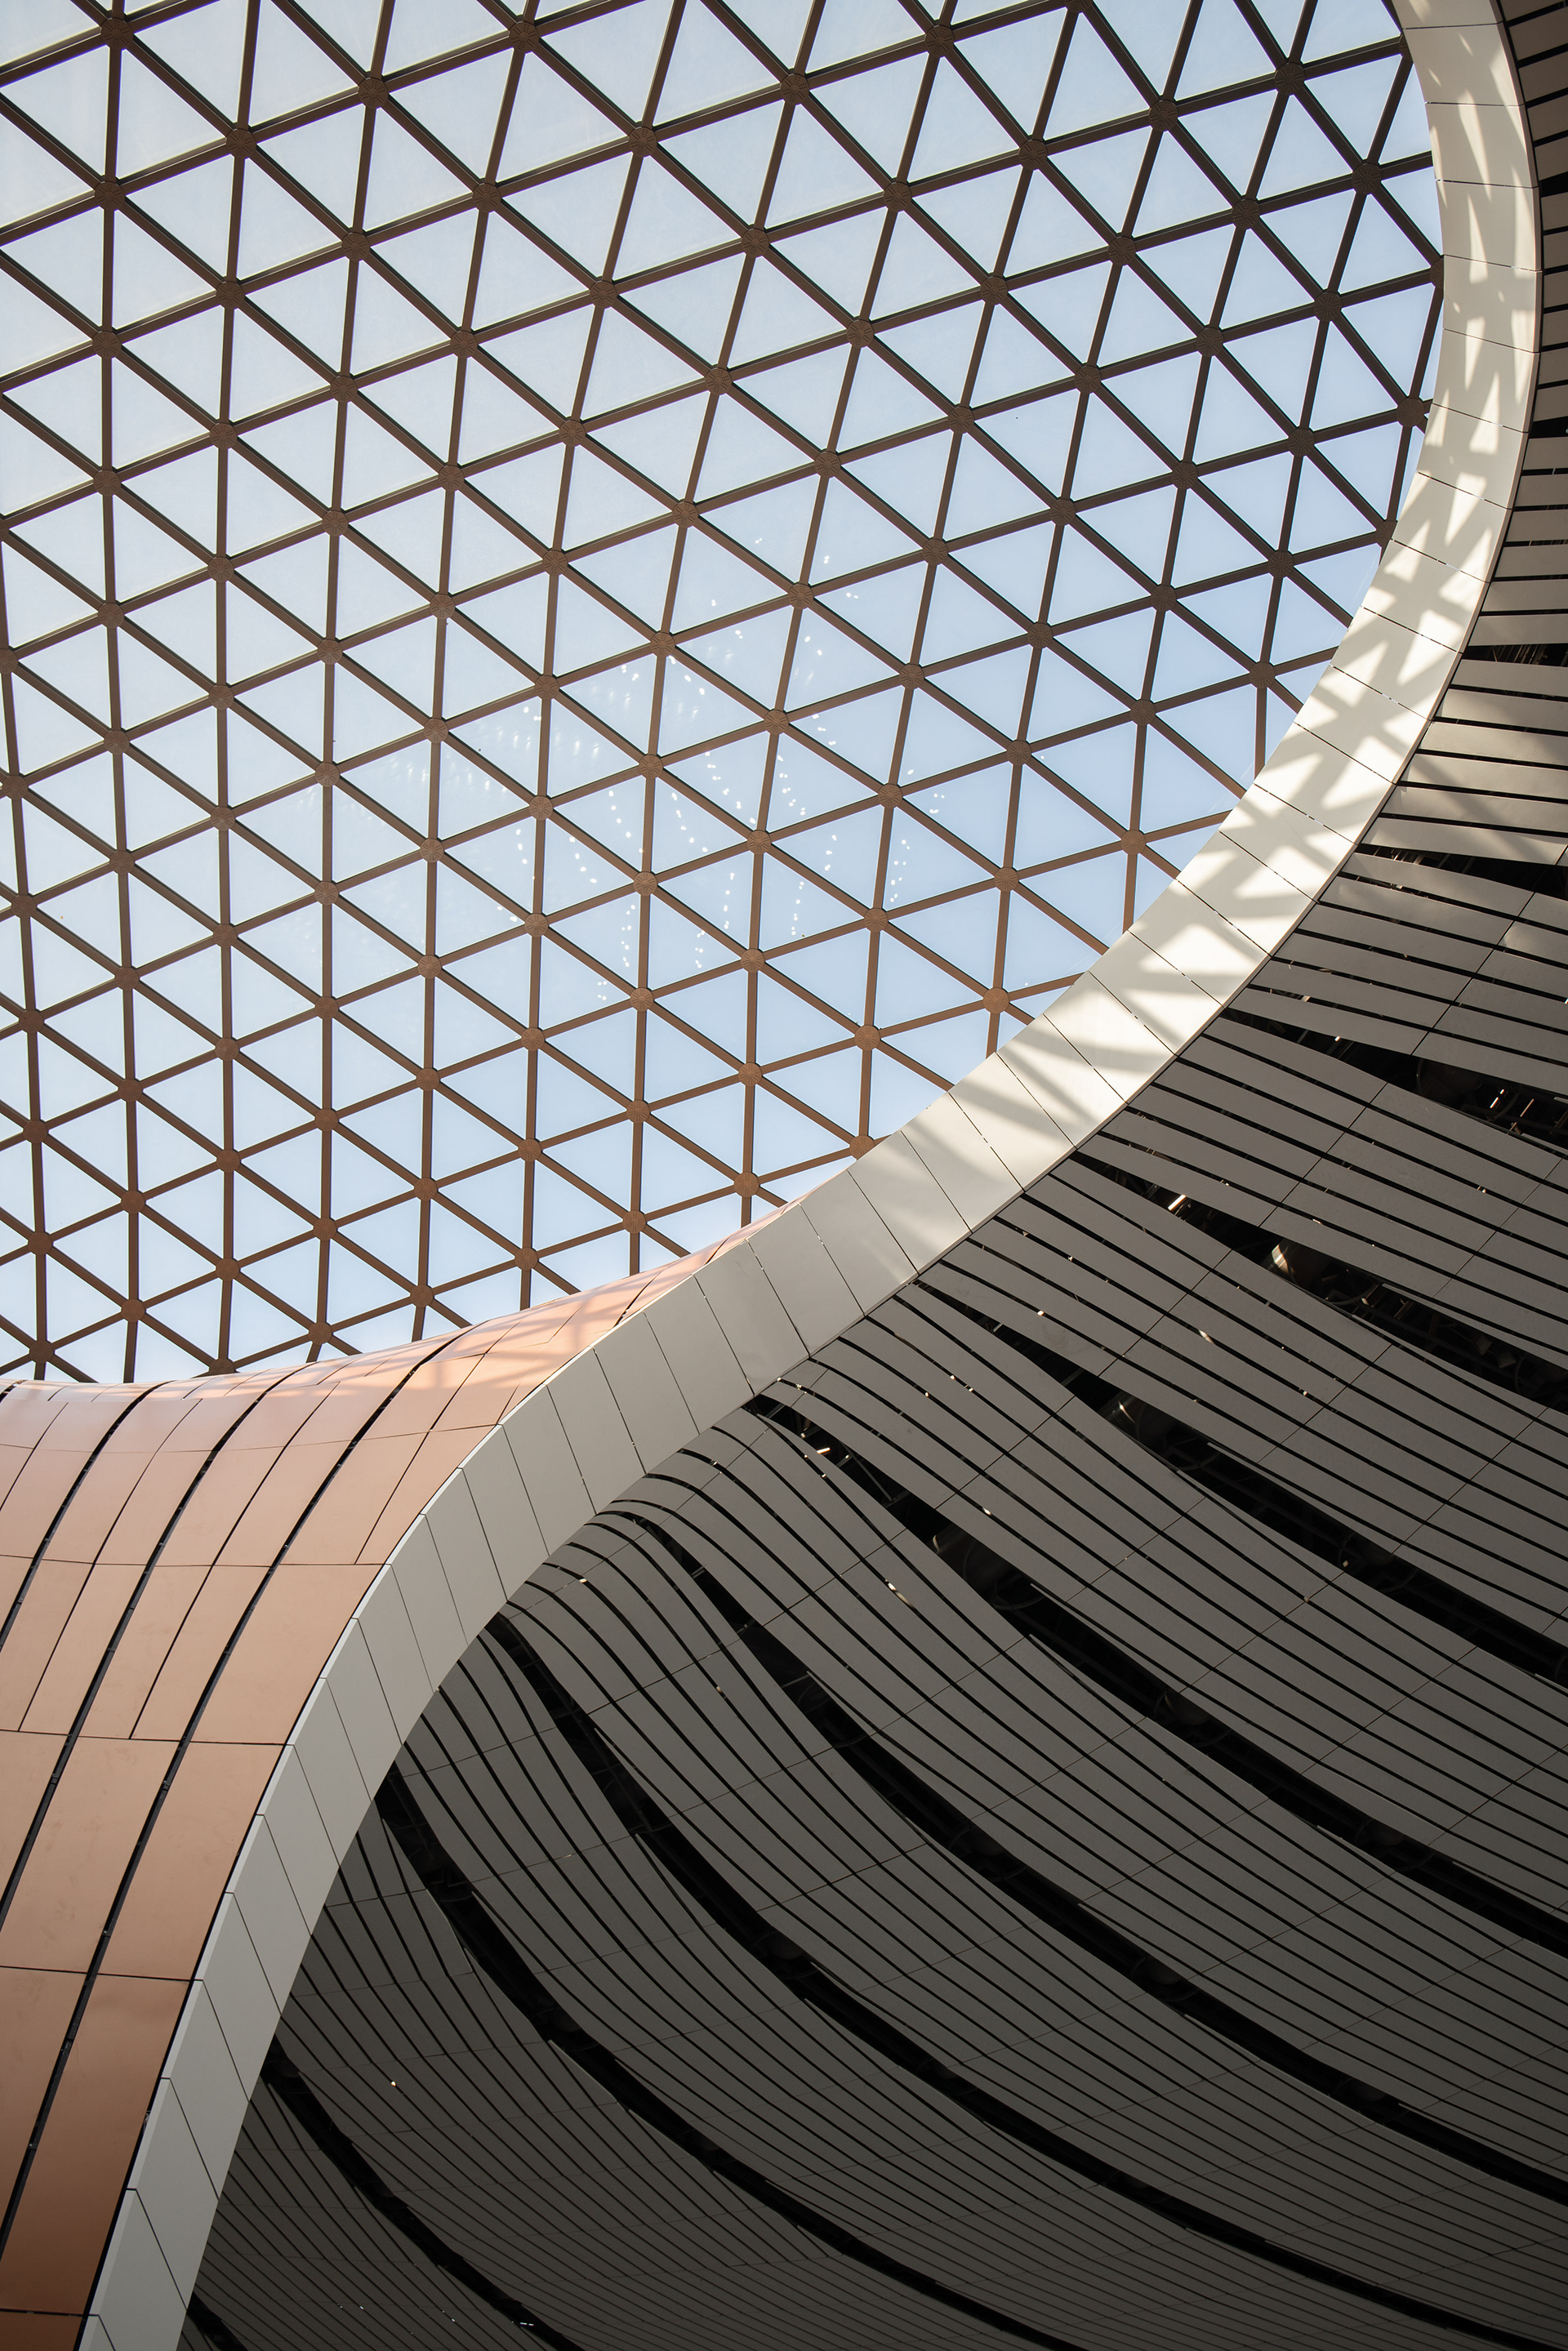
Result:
[{"x": 591, "y": 616}]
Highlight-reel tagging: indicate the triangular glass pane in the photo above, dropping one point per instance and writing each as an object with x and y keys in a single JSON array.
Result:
[
  {"x": 310, "y": 308},
  {"x": 493, "y": 417},
  {"x": 624, "y": 698},
  {"x": 323, "y": 158},
  {"x": 1139, "y": 322},
  {"x": 600, "y": 500},
  {"x": 1355, "y": 99},
  {"x": 1049, "y": 229},
  {"x": 666, "y": 222},
  {"x": 661, "y": 443},
  {"x": 1299, "y": 153},
  {"x": 417, "y": 34},
  {"x": 709, "y": 67},
  {"x": 1161, "y": 398},
  {"x": 375, "y": 464},
  {"x": 515, "y": 617},
  {"x": 1014, "y": 62},
  {"x": 515, "y": 276},
  {"x": 207, "y": 50},
  {"x": 32, "y": 180},
  {"x": 621, "y": 68},
  {"x": 1092, "y": 88},
  {"x": 436, "y": 260},
  {"x": 916, "y": 270},
  {"x": 387, "y": 326},
  {"x": 1192, "y": 267},
  {"x": 68, "y": 260},
  {"x": 1070, "y": 306},
  {"x": 779, "y": 23},
  {"x": 694, "y": 305},
  {"x": 837, "y": 259},
  {"x": 32, "y": 330},
  {"x": 853, "y": 536},
  {"x": 153, "y": 124},
  {"x": 1105, "y": 172},
  {"x": 1175, "y": 191},
  {"x": 805, "y": 394},
  {"x": 938, "y": 349},
  {"x": 550, "y": 121},
  {"x": 817, "y": 174},
  {"x": 405, "y": 177},
  {"x": 828, "y": 662},
  {"x": 714, "y": 583},
  {"x": 460, "y": 107},
  {"x": 857, "y": 28},
  {"x": 1149, "y": 35},
  {"x": 1223, "y": 51},
  {"x": 1231, "y": 135},
  {"x": 578, "y": 211},
  {"x": 629, "y": 366},
  {"x": 956, "y": 127},
  {"x": 730, "y": 157},
  {"x": 290, "y": 70},
  {"x": 975, "y": 213},
  {"x": 188, "y": 355},
  {"x": 741, "y": 448},
  {"x": 420, "y": 400},
  {"x": 875, "y": 108},
  {"x": 694, "y": 710}
]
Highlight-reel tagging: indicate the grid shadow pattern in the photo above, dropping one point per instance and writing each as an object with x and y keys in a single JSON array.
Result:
[{"x": 597, "y": 602}]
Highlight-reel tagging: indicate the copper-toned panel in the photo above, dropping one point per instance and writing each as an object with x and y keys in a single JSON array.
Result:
[
  {"x": 13, "y": 1459},
  {"x": 218, "y": 1408},
  {"x": 98, "y": 1502},
  {"x": 156, "y": 1420},
  {"x": 226, "y": 1593},
  {"x": 26, "y": 1758},
  {"x": 345, "y": 1408},
  {"x": 217, "y": 1502},
  {"x": 81, "y": 1648},
  {"x": 27, "y": 1410},
  {"x": 35, "y": 2016},
  {"x": 88, "y": 1837},
  {"x": 279, "y": 1416},
  {"x": 75, "y": 1427},
  {"x": 281, "y": 1500},
  {"x": 297, "y": 1624},
  {"x": 347, "y": 1455},
  {"x": 144, "y": 1520},
  {"x": 338, "y": 1526},
  {"x": 35, "y": 2330},
  {"x": 34, "y": 1501},
  {"x": 14, "y": 1569},
  {"x": 143, "y": 1650},
  {"x": 42, "y": 1616},
  {"x": 67, "y": 2206},
  {"x": 441, "y": 1452},
  {"x": 180, "y": 1878}
]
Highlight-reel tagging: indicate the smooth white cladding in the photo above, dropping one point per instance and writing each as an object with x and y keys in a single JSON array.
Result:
[{"x": 697, "y": 635}]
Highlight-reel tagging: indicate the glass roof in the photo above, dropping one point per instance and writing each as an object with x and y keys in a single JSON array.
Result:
[{"x": 598, "y": 600}]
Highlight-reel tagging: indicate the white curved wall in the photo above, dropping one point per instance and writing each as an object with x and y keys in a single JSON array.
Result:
[{"x": 709, "y": 1344}]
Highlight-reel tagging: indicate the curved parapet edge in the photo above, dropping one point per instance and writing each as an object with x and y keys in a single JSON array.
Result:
[{"x": 710, "y": 1341}]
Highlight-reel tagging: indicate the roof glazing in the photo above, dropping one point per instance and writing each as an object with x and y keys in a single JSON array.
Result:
[{"x": 597, "y": 602}]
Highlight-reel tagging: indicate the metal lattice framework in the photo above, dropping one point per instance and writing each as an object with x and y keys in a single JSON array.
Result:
[{"x": 596, "y": 601}]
